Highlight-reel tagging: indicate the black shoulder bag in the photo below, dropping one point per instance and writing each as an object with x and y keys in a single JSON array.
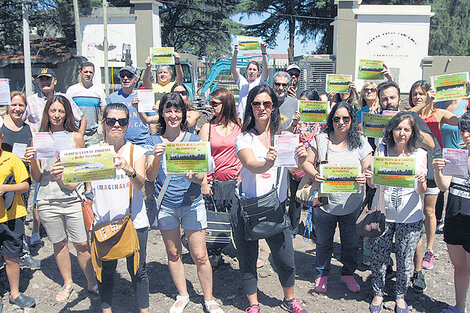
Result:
[{"x": 263, "y": 216}]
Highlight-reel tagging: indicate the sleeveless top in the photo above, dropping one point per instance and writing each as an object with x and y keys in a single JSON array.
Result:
[
  {"x": 22, "y": 136},
  {"x": 450, "y": 134},
  {"x": 433, "y": 124},
  {"x": 458, "y": 201},
  {"x": 227, "y": 165}
]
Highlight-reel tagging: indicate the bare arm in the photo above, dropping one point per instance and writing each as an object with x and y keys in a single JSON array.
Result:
[
  {"x": 204, "y": 132},
  {"x": 78, "y": 139},
  {"x": 293, "y": 123},
  {"x": 138, "y": 170},
  {"x": 36, "y": 170},
  {"x": 178, "y": 68},
  {"x": 153, "y": 162},
  {"x": 448, "y": 118},
  {"x": 442, "y": 181},
  {"x": 248, "y": 159},
  {"x": 428, "y": 142},
  {"x": 421, "y": 176},
  {"x": 265, "y": 71},
  {"x": 192, "y": 117},
  {"x": 233, "y": 67},
  {"x": 146, "y": 78},
  {"x": 82, "y": 127}
]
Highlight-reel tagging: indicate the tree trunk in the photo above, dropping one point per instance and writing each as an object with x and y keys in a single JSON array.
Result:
[{"x": 290, "y": 51}]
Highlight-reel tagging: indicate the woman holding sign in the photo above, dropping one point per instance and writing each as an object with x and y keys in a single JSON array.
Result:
[
  {"x": 339, "y": 144},
  {"x": 259, "y": 176},
  {"x": 58, "y": 206},
  {"x": 404, "y": 210},
  {"x": 180, "y": 204},
  {"x": 457, "y": 219}
]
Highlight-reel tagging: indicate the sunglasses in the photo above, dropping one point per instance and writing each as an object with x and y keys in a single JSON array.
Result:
[
  {"x": 346, "y": 119},
  {"x": 281, "y": 84},
  {"x": 214, "y": 103},
  {"x": 182, "y": 92},
  {"x": 367, "y": 90},
  {"x": 266, "y": 104},
  {"x": 111, "y": 121},
  {"x": 128, "y": 75}
]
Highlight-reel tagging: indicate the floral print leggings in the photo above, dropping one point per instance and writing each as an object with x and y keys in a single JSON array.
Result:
[{"x": 406, "y": 238}]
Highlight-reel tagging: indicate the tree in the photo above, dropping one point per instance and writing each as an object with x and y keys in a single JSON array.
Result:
[
  {"x": 450, "y": 26},
  {"x": 309, "y": 19},
  {"x": 198, "y": 26}
]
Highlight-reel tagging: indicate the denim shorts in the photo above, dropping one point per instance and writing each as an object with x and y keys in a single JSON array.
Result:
[{"x": 192, "y": 217}]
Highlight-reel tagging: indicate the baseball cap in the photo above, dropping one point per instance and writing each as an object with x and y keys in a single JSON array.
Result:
[
  {"x": 293, "y": 67},
  {"x": 45, "y": 72},
  {"x": 129, "y": 69}
]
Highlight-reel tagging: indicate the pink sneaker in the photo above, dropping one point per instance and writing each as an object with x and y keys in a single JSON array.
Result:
[
  {"x": 351, "y": 283},
  {"x": 293, "y": 306},
  {"x": 428, "y": 260},
  {"x": 253, "y": 309},
  {"x": 320, "y": 284}
]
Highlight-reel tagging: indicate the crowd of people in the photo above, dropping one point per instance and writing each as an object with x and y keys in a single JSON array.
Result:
[{"x": 241, "y": 141}]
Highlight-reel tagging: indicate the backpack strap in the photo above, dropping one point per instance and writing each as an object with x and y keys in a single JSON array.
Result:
[{"x": 130, "y": 184}]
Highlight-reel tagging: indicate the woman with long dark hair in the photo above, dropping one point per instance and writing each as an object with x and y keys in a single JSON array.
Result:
[
  {"x": 58, "y": 206},
  {"x": 404, "y": 211},
  {"x": 182, "y": 205},
  {"x": 259, "y": 175},
  {"x": 341, "y": 144}
]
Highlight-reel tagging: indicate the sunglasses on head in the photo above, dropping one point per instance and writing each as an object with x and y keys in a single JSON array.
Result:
[
  {"x": 182, "y": 92},
  {"x": 111, "y": 121},
  {"x": 370, "y": 90},
  {"x": 266, "y": 104},
  {"x": 280, "y": 84},
  {"x": 346, "y": 119}
]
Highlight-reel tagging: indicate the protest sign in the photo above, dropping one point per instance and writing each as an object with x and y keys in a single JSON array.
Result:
[
  {"x": 456, "y": 162},
  {"x": 338, "y": 82},
  {"x": 146, "y": 100},
  {"x": 162, "y": 56},
  {"x": 339, "y": 178},
  {"x": 450, "y": 86},
  {"x": 395, "y": 172},
  {"x": 248, "y": 43},
  {"x": 5, "y": 91},
  {"x": 181, "y": 157},
  {"x": 285, "y": 146},
  {"x": 370, "y": 69},
  {"x": 313, "y": 111},
  {"x": 373, "y": 124},
  {"x": 49, "y": 145}
]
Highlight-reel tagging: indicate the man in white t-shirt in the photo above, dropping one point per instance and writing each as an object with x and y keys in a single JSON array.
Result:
[
  {"x": 252, "y": 79},
  {"x": 91, "y": 101}
]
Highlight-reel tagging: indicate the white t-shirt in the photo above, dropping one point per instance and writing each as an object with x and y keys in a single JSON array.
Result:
[
  {"x": 244, "y": 86},
  {"x": 111, "y": 196},
  {"x": 255, "y": 185},
  {"x": 403, "y": 205}
]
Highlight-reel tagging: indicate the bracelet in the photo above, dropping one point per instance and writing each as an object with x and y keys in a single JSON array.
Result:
[
  {"x": 133, "y": 175},
  {"x": 179, "y": 63},
  {"x": 264, "y": 53}
]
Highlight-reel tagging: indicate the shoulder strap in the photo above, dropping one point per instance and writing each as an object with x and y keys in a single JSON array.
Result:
[
  {"x": 277, "y": 176},
  {"x": 210, "y": 126},
  {"x": 130, "y": 184}
]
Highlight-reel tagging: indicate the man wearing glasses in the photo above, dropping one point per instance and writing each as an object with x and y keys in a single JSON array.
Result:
[
  {"x": 137, "y": 132},
  {"x": 287, "y": 105}
]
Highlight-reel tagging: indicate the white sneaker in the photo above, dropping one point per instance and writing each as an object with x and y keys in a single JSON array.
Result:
[
  {"x": 210, "y": 303},
  {"x": 179, "y": 299}
]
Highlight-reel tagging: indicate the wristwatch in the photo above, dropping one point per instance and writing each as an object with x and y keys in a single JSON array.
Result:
[{"x": 133, "y": 175}]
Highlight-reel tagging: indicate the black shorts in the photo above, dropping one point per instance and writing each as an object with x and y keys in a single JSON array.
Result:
[
  {"x": 11, "y": 237},
  {"x": 457, "y": 231}
]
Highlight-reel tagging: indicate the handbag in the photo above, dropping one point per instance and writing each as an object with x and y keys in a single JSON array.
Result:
[
  {"x": 116, "y": 239},
  {"x": 263, "y": 216},
  {"x": 87, "y": 211},
  {"x": 371, "y": 222},
  {"x": 309, "y": 188},
  {"x": 219, "y": 228}
]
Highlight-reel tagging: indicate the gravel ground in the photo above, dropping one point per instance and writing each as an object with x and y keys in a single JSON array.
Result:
[{"x": 43, "y": 284}]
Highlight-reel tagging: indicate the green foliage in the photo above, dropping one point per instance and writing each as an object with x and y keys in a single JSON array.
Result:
[
  {"x": 198, "y": 26},
  {"x": 308, "y": 19},
  {"x": 450, "y": 26},
  {"x": 10, "y": 23}
]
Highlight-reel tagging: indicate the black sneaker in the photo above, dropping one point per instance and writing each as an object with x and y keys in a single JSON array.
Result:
[
  {"x": 23, "y": 301},
  {"x": 28, "y": 261},
  {"x": 418, "y": 282}
]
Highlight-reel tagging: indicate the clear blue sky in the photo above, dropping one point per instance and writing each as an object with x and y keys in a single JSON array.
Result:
[{"x": 282, "y": 38}]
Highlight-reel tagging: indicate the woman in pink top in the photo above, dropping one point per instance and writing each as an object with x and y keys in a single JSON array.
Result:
[
  {"x": 422, "y": 102},
  {"x": 219, "y": 188}
]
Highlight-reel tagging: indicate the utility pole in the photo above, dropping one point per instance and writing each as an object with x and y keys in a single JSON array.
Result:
[
  {"x": 78, "y": 33},
  {"x": 25, "y": 5},
  {"x": 105, "y": 46}
]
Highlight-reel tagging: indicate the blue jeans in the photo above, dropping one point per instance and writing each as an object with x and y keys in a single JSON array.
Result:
[{"x": 325, "y": 226}]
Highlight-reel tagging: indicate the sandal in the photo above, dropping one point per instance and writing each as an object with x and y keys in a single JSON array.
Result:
[
  {"x": 210, "y": 303},
  {"x": 64, "y": 294},
  {"x": 184, "y": 300},
  {"x": 375, "y": 308}
]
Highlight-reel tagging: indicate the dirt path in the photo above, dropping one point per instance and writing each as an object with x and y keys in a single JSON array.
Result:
[{"x": 43, "y": 284}]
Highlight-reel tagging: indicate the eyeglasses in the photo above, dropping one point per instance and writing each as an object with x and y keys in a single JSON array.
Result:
[
  {"x": 214, "y": 103},
  {"x": 266, "y": 104},
  {"x": 111, "y": 121},
  {"x": 182, "y": 92},
  {"x": 128, "y": 75},
  {"x": 281, "y": 84},
  {"x": 346, "y": 119},
  {"x": 367, "y": 90}
]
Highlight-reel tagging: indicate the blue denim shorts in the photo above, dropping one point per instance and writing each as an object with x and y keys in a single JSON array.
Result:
[{"x": 191, "y": 217}]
